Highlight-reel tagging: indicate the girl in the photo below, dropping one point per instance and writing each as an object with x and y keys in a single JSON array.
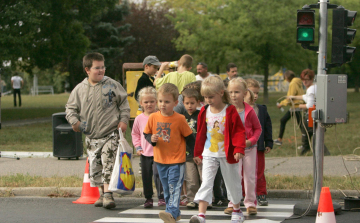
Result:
[
  {"x": 217, "y": 118},
  {"x": 238, "y": 90},
  {"x": 147, "y": 101}
]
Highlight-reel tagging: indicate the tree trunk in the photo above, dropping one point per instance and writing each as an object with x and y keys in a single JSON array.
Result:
[{"x": 266, "y": 78}]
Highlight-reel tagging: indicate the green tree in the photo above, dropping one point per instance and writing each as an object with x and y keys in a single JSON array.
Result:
[{"x": 255, "y": 34}]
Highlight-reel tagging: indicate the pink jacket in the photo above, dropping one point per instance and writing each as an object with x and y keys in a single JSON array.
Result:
[
  {"x": 138, "y": 137},
  {"x": 252, "y": 125}
]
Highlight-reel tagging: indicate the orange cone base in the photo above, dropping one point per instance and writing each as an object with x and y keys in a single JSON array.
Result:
[{"x": 89, "y": 195}]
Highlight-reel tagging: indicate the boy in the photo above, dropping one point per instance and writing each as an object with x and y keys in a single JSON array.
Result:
[
  {"x": 98, "y": 107},
  {"x": 180, "y": 78},
  {"x": 168, "y": 131},
  {"x": 151, "y": 66},
  {"x": 265, "y": 142},
  {"x": 191, "y": 99}
]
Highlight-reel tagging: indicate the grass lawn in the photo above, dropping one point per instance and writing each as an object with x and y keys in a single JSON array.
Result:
[{"x": 38, "y": 137}]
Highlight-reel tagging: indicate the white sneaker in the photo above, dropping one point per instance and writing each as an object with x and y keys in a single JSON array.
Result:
[
  {"x": 197, "y": 219},
  {"x": 237, "y": 217}
]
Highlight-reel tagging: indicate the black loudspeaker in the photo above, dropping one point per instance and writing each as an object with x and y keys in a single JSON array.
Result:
[{"x": 66, "y": 142}]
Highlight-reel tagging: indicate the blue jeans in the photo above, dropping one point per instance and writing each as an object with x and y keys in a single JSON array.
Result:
[{"x": 172, "y": 178}]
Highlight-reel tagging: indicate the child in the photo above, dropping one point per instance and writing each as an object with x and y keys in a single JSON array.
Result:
[
  {"x": 265, "y": 142},
  {"x": 238, "y": 91},
  {"x": 180, "y": 78},
  {"x": 147, "y": 100},
  {"x": 168, "y": 131},
  {"x": 220, "y": 142},
  {"x": 191, "y": 100},
  {"x": 98, "y": 107},
  {"x": 151, "y": 65}
]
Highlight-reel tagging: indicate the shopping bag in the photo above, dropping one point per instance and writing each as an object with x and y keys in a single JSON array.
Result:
[{"x": 122, "y": 178}]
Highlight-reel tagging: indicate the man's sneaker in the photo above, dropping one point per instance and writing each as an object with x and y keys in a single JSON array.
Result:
[
  {"x": 277, "y": 142},
  {"x": 108, "y": 201},
  {"x": 237, "y": 217},
  {"x": 166, "y": 217},
  {"x": 161, "y": 202},
  {"x": 99, "y": 202},
  {"x": 197, "y": 219},
  {"x": 148, "y": 203},
  {"x": 183, "y": 201},
  {"x": 251, "y": 210},
  {"x": 192, "y": 205},
  {"x": 220, "y": 203},
  {"x": 229, "y": 210},
  {"x": 262, "y": 200}
]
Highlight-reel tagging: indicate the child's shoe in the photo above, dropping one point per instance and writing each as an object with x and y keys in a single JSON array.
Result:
[
  {"x": 277, "y": 142},
  {"x": 229, "y": 210},
  {"x": 237, "y": 217},
  {"x": 108, "y": 201},
  {"x": 192, "y": 205},
  {"x": 183, "y": 201},
  {"x": 262, "y": 200},
  {"x": 148, "y": 203},
  {"x": 161, "y": 202},
  {"x": 166, "y": 217},
  {"x": 99, "y": 202},
  {"x": 197, "y": 219},
  {"x": 251, "y": 210}
]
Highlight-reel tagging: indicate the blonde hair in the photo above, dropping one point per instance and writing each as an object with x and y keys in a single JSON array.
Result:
[
  {"x": 214, "y": 85},
  {"x": 242, "y": 83},
  {"x": 146, "y": 91},
  {"x": 186, "y": 61},
  {"x": 252, "y": 83},
  {"x": 169, "y": 88}
]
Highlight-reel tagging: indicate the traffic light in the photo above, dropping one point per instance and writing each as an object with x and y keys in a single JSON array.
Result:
[
  {"x": 341, "y": 35},
  {"x": 305, "y": 26}
]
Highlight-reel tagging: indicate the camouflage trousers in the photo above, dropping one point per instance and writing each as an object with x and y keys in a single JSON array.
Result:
[{"x": 101, "y": 153}]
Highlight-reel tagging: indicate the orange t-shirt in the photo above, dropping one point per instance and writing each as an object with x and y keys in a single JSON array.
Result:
[{"x": 171, "y": 146}]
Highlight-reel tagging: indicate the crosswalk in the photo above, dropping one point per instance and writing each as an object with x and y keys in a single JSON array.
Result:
[{"x": 274, "y": 213}]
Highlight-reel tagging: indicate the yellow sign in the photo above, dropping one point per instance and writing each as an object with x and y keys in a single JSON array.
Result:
[{"x": 132, "y": 78}]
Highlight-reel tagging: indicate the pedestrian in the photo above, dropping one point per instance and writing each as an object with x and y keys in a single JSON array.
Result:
[
  {"x": 180, "y": 108},
  {"x": 147, "y": 101},
  {"x": 202, "y": 71},
  {"x": 307, "y": 77},
  {"x": 17, "y": 83},
  {"x": 191, "y": 100},
  {"x": 220, "y": 141},
  {"x": 151, "y": 66},
  {"x": 169, "y": 134},
  {"x": 98, "y": 107},
  {"x": 265, "y": 142},
  {"x": 231, "y": 71},
  {"x": 238, "y": 91},
  {"x": 295, "y": 89},
  {"x": 179, "y": 78}
]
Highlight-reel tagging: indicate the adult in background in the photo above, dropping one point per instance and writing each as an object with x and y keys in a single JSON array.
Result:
[
  {"x": 296, "y": 89},
  {"x": 307, "y": 77},
  {"x": 17, "y": 83},
  {"x": 202, "y": 71},
  {"x": 231, "y": 71}
]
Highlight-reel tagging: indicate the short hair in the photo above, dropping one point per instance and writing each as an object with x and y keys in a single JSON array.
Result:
[
  {"x": 191, "y": 93},
  {"x": 186, "y": 61},
  {"x": 252, "y": 83},
  {"x": 214, "y": 85},
  {"x": 307, "y": 72},
  {"x": 242, "y": 83},
  {"x": 169, "y": 88},
  {"x": 289, "y": 74},
  {"x": 230, "y": 65},
  {"x": 90, "y": 57},
  {"x": 146, "y": 91},
  {"x": 204, "y": 65},
  {"x": 197, "y": 86}
]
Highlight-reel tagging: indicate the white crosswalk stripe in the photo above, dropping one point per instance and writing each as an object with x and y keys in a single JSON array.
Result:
[{"x": 274, "y": 213}]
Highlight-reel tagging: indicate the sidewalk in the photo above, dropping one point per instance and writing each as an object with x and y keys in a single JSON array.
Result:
[{"x": 47, "y": 167}]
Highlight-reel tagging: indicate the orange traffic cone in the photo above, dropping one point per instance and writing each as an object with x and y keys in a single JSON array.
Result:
[
  {"x": 325, "y": 212},
  {"x": 89, "y": 195}
]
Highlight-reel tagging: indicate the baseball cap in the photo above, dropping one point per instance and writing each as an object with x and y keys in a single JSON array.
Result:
[{"x": 151, "y": 60}]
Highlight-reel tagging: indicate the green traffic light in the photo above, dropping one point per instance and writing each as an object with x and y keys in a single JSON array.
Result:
[{"x": 305, "y": 34}]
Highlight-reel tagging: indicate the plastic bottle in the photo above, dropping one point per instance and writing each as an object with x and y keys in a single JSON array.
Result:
[{"x": 173, "y": 64}]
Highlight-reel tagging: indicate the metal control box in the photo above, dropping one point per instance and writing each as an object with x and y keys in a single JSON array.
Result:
[{"x": 331, "y": 98}]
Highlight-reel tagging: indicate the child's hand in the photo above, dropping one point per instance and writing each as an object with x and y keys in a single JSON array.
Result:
[
  {"x": 122, "y": 126},
  {"x": 248, "y": 143},
  {"x": 197, "y": 160},
  {"x": 139, "y": 152},
  {"x": 154, "y": 138},
  {"x": 238, "y": 156},
  {"x": 164, "y": 65},
  {"x": 76, "y": 127},
  {"x": 267, "y": 150}
]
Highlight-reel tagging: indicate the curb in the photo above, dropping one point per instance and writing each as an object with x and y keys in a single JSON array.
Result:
[{"x": 76, "y": 192}]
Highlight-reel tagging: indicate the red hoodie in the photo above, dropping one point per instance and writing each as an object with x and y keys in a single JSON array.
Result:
[{"x": 234, "y": 134}]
